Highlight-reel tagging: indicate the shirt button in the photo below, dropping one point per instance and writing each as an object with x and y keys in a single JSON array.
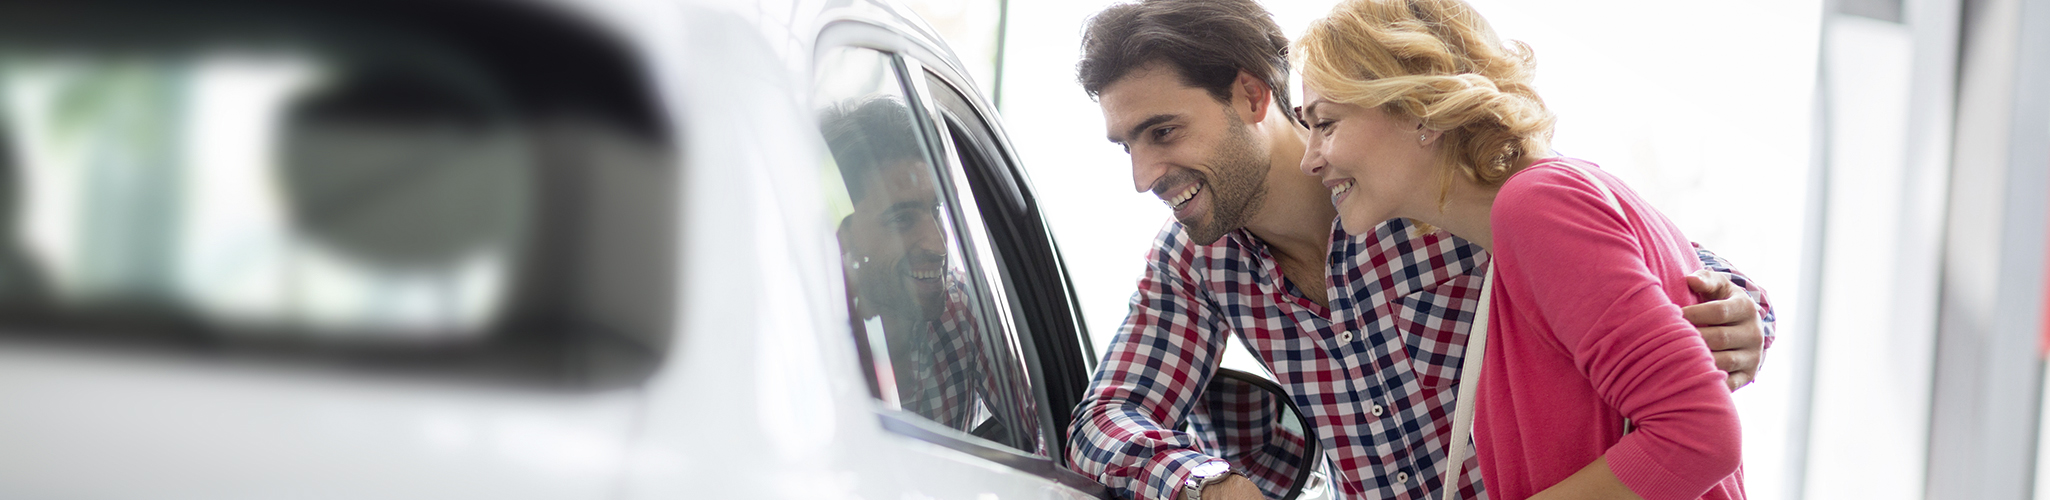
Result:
[
  {"x": 1402, "y": 477},
  {"x": 1345, "y": 337},
  {"x": 1376, "y": 410}
]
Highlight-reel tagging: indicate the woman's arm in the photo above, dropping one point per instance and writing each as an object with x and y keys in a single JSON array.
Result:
[
  {"x": 1594, "y": 482},
  {"x": 1610, "y": 311}
]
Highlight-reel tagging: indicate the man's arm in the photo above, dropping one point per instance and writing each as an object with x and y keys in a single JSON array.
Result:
[
  {"x": 1738, "y": 327},
  {"x": 1124, "y": 433}
]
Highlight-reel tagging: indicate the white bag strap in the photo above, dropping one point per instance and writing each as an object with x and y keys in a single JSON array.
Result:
[{"x": 1469, "y": 378}]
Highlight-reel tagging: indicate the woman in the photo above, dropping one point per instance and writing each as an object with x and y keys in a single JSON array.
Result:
[{"x": 1416, "y": 109}]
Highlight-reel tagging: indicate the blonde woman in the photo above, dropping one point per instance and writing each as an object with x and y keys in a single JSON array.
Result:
[{"x": 1416, "y": 109}]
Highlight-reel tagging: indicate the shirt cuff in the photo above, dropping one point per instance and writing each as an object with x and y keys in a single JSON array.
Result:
[{"x": 1170, "y": 470}]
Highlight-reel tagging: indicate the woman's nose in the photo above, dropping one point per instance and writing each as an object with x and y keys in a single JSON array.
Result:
[{"x": 1313, "y": 162}]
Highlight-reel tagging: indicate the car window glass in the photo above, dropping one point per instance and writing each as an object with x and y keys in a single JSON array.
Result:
[
  {"x": 932, "y": 347},
  {"x": 1042, "y": 307}
]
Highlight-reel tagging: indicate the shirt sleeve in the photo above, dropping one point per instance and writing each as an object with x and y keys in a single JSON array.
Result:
[
  {"x": 1244, "y": 420},
  {"x": 1611, "y": 313},
  {"x": 1125, "y": 433},
  {"x": 1765, "y": 316}
]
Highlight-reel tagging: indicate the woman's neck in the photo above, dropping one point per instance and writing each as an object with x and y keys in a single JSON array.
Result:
[{"x": 1465, "y": 212}]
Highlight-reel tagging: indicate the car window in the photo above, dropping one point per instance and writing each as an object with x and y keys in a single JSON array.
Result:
[
  {"x": 334, "y": 183},
  {"x": 934, "y": 345},
  {"x": 1031, "y": 274}
]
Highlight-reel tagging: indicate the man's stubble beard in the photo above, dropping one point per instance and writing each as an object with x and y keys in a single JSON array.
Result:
[
  {"x": 885, "y": 292},
  {"x": 1237, "y": 185}
]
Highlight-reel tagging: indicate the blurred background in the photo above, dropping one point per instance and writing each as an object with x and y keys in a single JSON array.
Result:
[{"x": 1878, "y": 165}]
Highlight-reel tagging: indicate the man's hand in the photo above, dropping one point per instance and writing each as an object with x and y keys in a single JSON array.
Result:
[
  {"x": 1728, "y": 321},
  {"x": 1234, "y": 487}
]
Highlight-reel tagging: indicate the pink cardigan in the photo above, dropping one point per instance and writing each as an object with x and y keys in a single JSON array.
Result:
[{"x": 1585, "y": 332}]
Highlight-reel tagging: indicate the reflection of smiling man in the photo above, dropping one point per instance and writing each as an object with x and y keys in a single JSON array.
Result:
[{"x": 895, "y": 253}]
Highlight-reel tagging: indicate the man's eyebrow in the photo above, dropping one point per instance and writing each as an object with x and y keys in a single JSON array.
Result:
[{"x": 1142, "y": 126}]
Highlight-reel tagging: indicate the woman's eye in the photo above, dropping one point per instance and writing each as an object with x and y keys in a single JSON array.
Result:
[{"x": 1324, "y": 126}]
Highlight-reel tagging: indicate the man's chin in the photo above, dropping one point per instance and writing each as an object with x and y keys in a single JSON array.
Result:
[{"x": 1203, "y": 232}]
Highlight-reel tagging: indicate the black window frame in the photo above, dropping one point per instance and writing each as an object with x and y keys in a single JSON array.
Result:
[{"x": 1043, "y": 297}]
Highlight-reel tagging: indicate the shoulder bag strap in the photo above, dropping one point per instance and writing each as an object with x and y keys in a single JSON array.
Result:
[{"x": 1469, "y": 379}]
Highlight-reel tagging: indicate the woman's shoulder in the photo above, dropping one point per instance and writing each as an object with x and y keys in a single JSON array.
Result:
[{"x": 1552, "y": 181}]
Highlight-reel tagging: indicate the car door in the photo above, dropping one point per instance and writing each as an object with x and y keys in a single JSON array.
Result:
[{"x": 962, "y": 318}]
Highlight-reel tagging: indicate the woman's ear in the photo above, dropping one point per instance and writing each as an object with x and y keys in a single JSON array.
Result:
[{"x": 1427, "y": 136}]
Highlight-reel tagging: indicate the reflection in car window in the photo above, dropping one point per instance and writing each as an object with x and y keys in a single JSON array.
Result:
[{"x": 933, "y": 351}]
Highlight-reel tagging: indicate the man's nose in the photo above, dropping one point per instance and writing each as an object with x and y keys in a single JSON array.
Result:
[
  {"x": 930, "y": 241},
  {"x": 1145, "y": 171}
]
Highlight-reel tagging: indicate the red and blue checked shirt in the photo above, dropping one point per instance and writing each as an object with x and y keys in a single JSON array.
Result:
[
  {"x": 955, "y": 376},
  {"x": 1376, "y": 373}
]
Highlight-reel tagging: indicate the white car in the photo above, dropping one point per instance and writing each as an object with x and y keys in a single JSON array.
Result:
[{"x": 612, "y": 249}]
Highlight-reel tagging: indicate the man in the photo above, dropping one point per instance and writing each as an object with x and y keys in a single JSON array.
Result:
[
  {"x": 1365, "y": 332},
  {"x": 941, "y": 366}
]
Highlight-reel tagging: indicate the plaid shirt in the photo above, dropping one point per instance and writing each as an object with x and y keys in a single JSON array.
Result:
[
  {"x": 1238, "y": 424},
  {"x": 1376, "y": 372},
  {"x": 953, "y": 377}
]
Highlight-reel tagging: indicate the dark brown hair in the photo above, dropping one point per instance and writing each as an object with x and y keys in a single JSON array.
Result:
[
  {"x": 867, "y": 136},
  {"x": 1206, "y": 41}
]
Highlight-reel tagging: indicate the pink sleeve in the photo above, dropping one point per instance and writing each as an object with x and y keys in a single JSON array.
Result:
[{"x": 1592, "y": 287}]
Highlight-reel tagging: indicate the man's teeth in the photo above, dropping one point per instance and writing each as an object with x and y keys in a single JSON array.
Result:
[
  {"x": 1341, "y": 189},
  {"x": 926, "y": 275},
  {"x": 1178, "y": 200}
]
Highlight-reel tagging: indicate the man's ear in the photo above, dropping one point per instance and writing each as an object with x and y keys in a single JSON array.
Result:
[{"x": 1258, "y": 97}]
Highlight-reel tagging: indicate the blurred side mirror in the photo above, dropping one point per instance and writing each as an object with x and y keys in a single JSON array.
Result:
[{"x": 1249, "y": 421}]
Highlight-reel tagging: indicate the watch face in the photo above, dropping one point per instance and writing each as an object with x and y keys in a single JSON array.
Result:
[{"x": 1211, "y": 469}]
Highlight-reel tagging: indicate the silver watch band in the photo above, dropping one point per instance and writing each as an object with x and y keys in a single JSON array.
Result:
[{"x": 1193, "y": 489}]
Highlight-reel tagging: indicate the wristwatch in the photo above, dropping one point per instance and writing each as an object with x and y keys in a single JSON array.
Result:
[{"x": 1204, "y": 475}]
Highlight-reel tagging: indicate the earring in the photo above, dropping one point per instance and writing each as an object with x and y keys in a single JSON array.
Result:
[{"x": 1423, "y": 138}]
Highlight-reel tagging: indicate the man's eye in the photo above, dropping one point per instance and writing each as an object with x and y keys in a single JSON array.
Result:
[{"x": 1160, "y": 134}]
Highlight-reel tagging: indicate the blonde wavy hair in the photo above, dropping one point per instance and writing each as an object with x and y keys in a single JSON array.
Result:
[{"x": 1440, "y": 62}]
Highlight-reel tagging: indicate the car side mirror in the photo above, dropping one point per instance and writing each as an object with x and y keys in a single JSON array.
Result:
[{"x": 1250, "y": 422}]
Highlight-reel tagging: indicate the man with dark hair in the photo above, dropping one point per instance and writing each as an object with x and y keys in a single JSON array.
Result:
[
  {"x": 1365, "y": 332},
  {"x": 895, "y": 253}
]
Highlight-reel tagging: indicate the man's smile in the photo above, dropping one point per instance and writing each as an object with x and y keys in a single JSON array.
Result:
[{"x": 1178, "y": 200}]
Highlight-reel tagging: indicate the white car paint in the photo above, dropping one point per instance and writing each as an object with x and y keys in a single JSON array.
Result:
[{"x": 759, "y": 395}]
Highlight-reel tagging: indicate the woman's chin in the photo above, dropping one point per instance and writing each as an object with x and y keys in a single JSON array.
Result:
[{"x": 1356, "y": 224}]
